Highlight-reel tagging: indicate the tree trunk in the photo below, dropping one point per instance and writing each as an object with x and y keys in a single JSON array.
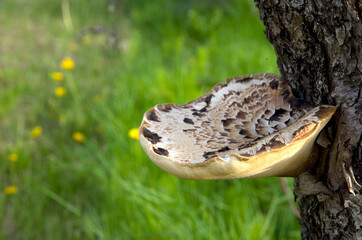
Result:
[{"x": 319, "y": 50}]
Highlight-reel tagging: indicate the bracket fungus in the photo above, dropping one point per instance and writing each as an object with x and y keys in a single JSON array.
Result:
[{"x": 252, "y": 126}]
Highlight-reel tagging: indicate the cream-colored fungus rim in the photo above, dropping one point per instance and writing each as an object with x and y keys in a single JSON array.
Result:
[{"x": 259, "y": 130}]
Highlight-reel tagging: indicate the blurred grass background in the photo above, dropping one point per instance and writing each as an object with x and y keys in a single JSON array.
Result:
[{"x": 99, "y": 184}]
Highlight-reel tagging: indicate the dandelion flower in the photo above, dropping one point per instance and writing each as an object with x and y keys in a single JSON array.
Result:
[
  {"x": 73, "y": 47},
  {"x": 67, "y": 63},
  {"x": 13, "y": 157},
  {"x": 133, "y": 133},
  {"x": 10, "y": 190},
  {"x": 78, "y": 137},
  {"x": 57, "y": 76},
  {"x": 97, "y": 98},
  {"x": 60, "y": 91},
  {"x": 36, "y": 132}
]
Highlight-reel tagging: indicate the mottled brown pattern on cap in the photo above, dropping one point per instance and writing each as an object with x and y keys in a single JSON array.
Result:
[
  {"x": 160, "y": 151},
  {"x": 241, "y": 117},
  {"x": 150, "y": 136},
  {"x": 151, "y": 115}
]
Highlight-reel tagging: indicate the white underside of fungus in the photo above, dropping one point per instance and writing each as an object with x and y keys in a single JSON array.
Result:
[{"x": 252, "y": 126}]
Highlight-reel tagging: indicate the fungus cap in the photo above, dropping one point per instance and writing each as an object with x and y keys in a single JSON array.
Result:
[{"x": 252, "y": 126}]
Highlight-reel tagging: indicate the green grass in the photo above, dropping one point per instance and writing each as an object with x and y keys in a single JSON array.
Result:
[{"x": 106, "y": 187}]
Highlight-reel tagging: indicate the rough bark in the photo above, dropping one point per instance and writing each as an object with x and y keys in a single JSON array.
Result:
[{"x": 319, "y": 50}]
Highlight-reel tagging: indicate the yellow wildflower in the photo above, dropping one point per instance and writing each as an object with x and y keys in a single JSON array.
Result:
[
  {"x": 67, "y": 63},
  {"x": 36, "y": 131},
  {"x": 10, "y": 190},
  {"x": 78, "y": 137},
  {"x": 133, "y": 133},
  {"x": 73, "y": 47},
  {"x": 60, "y": 91},
  {"x": 13, "y": 157},
  {"x": 57, "y": 76},
  {"x": 62, "y": 118},
  {"x": 97, "y": 98}
]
